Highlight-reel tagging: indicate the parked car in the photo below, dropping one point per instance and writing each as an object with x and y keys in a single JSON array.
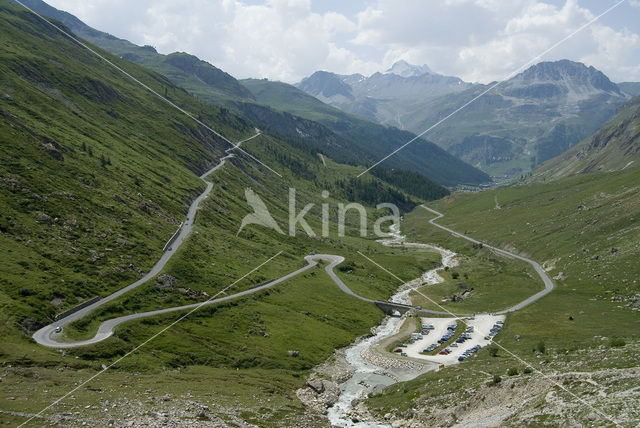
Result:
[
  {"x": 461, "y": 358},
  {"x": 397, "y": 350},
  {"x": 443, "y": 352},
  {"x": 58, "y": 329},
  {"x": 404, "y": 354}
]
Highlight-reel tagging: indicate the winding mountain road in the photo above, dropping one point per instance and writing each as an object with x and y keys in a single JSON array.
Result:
[
  {"x": 45, "y": 335},
  {"x": 548, "y": 283},
  {"x": 49, "y": 336}
]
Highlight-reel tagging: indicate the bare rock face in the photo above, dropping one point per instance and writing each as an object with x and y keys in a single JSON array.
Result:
[
  {"x": 165, "y": 281},
  {"x": 54, "y": 150},
  {"x": 43, "y": 218},
  {"x": 29, "y": 325},
  {"x": 560, "y": 277}
]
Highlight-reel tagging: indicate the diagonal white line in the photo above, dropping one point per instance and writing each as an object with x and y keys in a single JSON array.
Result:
[
  {"x": 237, "y": 146},
  {"x": 509, "y": 76},
  {"x": 121, "y": 70},
  {"x": 149, "y": 340},
  {"x": 257, "y": 160},
  {"x": 384, "y": 269},
  {"x": 498, "y": 345}
]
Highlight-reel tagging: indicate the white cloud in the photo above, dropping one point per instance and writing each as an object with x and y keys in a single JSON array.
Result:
[
  {"x": 478, "y": 40},
  {"x": 279, "y": 39},
  {"x": 485, "y": 40}
]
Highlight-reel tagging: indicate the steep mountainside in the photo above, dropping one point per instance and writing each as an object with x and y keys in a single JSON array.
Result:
[
  {"x": 187, "y": 71},
  {"x": 96, "y": 174},
  {"x": 421, "y": 156},
  {"x": 532, "y": 117},
  {"x": 614, "y": 147},
  {"x": 355, "y": 143},
  {"x": 526, "y": 120},
  {"x": 630, "y": 88}
]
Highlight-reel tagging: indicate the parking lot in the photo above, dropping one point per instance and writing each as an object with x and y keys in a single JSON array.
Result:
[{"x": 482, "y": 327}]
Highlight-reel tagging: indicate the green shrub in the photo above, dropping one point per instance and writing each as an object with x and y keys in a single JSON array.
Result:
[
  {"x": 617, "y": 343},
  {"x": 527, "y": 370},
  {"x": 493, "y": 350},
  {"x": 455, "y": 275},
  {"x": 496, "y": 380},
  {"x": 541, "y": 347},
  {"x": 512, "y": 371}
]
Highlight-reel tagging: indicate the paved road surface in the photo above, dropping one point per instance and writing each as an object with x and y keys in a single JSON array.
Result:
[
  {"x": 43, "y": 336},
  {"x": 548, "y": 284},
  {"x": 333, "y": 262},
  {"x": 47, "y": 335}
]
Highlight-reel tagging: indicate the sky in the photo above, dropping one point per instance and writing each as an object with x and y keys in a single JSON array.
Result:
[{"x": 287, "y": 40}]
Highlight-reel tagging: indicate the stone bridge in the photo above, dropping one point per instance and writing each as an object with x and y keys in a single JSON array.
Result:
[{"x": 390, "y": 308}]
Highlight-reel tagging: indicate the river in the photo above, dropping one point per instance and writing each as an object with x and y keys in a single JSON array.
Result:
[{"x": 371, "y": 372}]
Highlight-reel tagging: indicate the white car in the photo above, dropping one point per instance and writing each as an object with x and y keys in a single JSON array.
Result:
[{"x": 58, "y": 329}]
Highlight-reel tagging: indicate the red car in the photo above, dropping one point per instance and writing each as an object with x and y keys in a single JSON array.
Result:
[{"x": 443, "y": 352}]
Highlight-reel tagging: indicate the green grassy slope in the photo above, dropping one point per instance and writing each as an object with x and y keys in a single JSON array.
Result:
[
  {"x": 354, "y": 140},
  {"x": 285, "y": 97},
  {"x": 377, "y": 140},
  {"x": 96, "y": 172},
  {"x": 585, "y": 230},
  {"x": 95, "y": 176},
  {"x": 200, "y": 78},
  {"x": 614, "y": 147}
]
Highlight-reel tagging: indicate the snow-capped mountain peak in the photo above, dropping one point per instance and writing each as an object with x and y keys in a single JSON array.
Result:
[{"x": 404, "y": 69}]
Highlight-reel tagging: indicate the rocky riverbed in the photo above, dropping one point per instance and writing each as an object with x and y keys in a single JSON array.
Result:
[{"x": 336, "y": 387}]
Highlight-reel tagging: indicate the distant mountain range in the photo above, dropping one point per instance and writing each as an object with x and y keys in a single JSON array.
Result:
[
  {"x": 354, "y": 141},
  {"x": 532, "y": 117},
  {"x": 381, "y": 97}
]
